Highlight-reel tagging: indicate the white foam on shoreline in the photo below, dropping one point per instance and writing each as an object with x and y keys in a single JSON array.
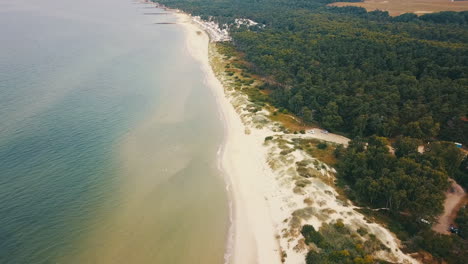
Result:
[
  {"x": 185, "y": 20},
  {"x": 251, "y": 234},
  {"x": 230, "y": 233}
]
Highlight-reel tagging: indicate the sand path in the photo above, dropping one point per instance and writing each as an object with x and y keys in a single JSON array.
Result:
[{"x": 455, "y": 198}]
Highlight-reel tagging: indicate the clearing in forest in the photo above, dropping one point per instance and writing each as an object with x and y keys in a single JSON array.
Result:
[{"x": 419, "y": 7}]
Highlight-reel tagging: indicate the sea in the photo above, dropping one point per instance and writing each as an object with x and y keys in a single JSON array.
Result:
[{"x": 109, "y": 138}]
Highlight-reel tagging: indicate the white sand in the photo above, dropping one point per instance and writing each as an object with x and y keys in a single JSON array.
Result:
[
  {"x": 243, "y": 163},
  {"x": 261, "y": 181}
]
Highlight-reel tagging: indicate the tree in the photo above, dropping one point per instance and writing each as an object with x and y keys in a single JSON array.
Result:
[
  {"x": 310, "y": 235},
  {"x": 462, "y": 222},
  {"x": 405, "y": 146},
  {"x": 411, "y": 183},
  {"x": 449, "y": 155},
  {"x": 307, "y": 114},
  {"x": 296, "y": 103},
  {"x": 330, "y": 117}
]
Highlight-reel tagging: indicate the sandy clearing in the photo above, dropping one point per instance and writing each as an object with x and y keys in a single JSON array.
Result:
[{"x": 454, "y": 199}]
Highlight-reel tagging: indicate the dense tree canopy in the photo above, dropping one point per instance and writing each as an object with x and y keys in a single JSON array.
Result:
[
  {"x": 409, "y": 182},
  {"x": 462, "y": 222}
]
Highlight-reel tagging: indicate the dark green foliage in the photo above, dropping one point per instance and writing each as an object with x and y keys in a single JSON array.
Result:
[
  {"x": 338, "y": 244},
  {"x": 411, "y": 183},
  {"x": 449, "y": 247},
  {"x": 447, "y": 156},
  {"x": 406, "y": 145},
  {"x": 462, "y": 222},
  {"x": 322, "y": 145},
  {"x": 310, "y": 235},
  {"x": 315, "y": 258},
  {"x": 407, "y": 17},
  {"x": 362, "y": 231},
  {"x": 339, "y": 151},
  {"x": 447, "y": 17},
  {"x": 461, "y": 175}
]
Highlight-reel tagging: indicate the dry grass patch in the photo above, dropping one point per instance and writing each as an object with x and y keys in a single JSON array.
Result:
[
  {"x": 419, "y": 7},
  {"x": 235, "y": 68},
  {"x": 288, "y": 121},
  {"x": 321, "y": 150}
]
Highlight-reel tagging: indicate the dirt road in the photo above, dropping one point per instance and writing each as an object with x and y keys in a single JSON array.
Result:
[{"x": 454, "y": 199}]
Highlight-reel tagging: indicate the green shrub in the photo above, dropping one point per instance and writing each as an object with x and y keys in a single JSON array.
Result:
[
  {"x": 462, "y": 222},
  {"x": 316, "y": 258},
  {"x": 302, "y": 163},
  {"x": 339, "y": 256},
  {"x": 302, "y": 183},
  {"x": 362, "y": 231},
  {"x": 304, "y": 172},
  {"x": 322, "y": 145},
  {"x": 339, "y": 225},
  {"x": 339, "y": 151},
  {"x": 310, "y": 235}
]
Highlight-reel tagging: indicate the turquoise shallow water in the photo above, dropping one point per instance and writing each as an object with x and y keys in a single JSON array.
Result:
[{"x": 108, "y": 138}]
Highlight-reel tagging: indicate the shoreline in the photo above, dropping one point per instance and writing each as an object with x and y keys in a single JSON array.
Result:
[{"x": 250, "y": 226}]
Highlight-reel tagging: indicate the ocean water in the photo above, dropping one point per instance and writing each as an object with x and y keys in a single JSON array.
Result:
[{"x": 108, "y": 138}]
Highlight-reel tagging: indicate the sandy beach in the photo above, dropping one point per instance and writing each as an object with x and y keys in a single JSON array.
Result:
[
  {"x": 270, "y": 201},
  {"x": 252, "y": 236}
]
